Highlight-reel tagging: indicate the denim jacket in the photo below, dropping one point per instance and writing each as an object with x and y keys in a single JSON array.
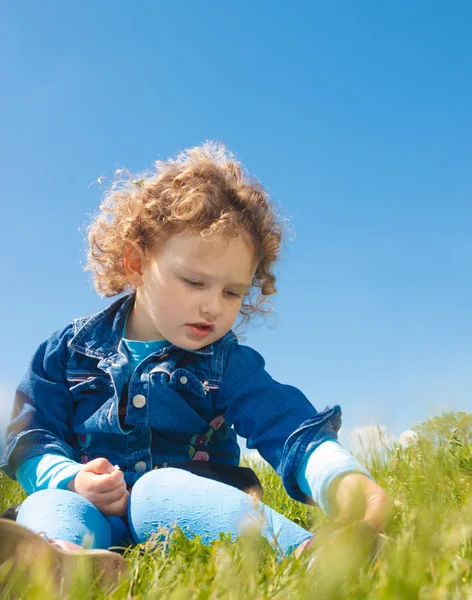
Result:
[{"x": 77, "y": 400}]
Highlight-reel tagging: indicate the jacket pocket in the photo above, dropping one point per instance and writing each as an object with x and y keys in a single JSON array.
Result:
[
  {"x": 90, "y": 393},
  {"x": 184, "y": 381},
  {"x": 80, "y": 383}
]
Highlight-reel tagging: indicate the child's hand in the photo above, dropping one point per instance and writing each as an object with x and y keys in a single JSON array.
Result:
[
  {"x": 103, "y": 485},
  {"x": 357, "y": 497}
]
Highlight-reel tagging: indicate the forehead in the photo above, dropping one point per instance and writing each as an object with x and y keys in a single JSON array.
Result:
[{"x": 218, "y": 256}]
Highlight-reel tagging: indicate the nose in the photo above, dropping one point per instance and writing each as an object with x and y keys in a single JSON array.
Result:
[{"x": 211, "y": 307}]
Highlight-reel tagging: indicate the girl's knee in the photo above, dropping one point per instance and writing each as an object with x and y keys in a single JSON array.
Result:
[
  {"x": 156, "y": 500},
  {"x": 55, "y": 497},
  {"x": 166, "y": 478},
  {"x": 58, "y": 502},
  {"x": 168, "y": 484},
  {"x": 168, "y": 497}
]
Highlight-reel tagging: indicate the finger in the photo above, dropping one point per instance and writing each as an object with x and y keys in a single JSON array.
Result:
[
  {"x": 99, "y": 466},
  {"x": 118, "y": 508},
  {"x": 109, "y": 497},
  {"x": 108, "y": 482},
  {"x": 111, "y": 481}
]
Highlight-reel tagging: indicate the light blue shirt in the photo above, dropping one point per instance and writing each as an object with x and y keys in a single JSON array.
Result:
[{"x": 137, "y": 351}]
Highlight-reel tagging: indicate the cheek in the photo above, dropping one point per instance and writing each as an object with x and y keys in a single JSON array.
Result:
[
  {"x": 176, "y": 303},
  {"x": 233, "y": 312}
]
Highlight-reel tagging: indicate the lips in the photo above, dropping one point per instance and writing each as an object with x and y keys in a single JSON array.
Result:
[
  {"x": 200, "y": 329},
  {"x": 207, "y": 326}
]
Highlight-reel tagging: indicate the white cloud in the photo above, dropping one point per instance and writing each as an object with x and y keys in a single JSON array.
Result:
[
  {"x": 372, "y": 439},
  {"x": 369, "y": 439}
]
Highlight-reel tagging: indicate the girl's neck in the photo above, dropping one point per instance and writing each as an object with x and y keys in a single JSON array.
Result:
[{"x": 139, "y": 326}]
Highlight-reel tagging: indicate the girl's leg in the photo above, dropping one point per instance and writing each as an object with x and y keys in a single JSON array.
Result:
[
  {"x": 67, "y": 516},
  {"x": 120, "y": 535},
  {"x": 173, "y": 497}
]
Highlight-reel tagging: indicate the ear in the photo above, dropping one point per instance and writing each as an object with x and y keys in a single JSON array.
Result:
[{"x": 133, "y": 263}]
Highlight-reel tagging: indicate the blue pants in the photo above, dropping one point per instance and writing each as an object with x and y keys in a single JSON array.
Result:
[{"x": 161, "y": 498}]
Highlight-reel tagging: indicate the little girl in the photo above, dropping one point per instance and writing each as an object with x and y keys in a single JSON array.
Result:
[{"x": 126, "y": 420}]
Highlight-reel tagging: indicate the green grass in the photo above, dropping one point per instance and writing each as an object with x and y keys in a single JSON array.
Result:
[{"x": 430, "y": 555}]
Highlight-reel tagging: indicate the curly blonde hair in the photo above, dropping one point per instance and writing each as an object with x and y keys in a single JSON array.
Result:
[{"x": 206, "y": 190}]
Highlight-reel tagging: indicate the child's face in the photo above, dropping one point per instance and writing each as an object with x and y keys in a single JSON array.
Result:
[{"x": 190, "y": 281}]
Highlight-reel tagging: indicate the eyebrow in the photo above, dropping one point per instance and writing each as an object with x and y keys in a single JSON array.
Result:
[{"x": 240, "y": 285}]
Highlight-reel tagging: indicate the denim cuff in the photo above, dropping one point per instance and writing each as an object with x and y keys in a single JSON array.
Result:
[{"x": 302, "y": 442}]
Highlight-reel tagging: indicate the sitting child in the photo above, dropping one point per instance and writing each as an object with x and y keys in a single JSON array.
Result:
[{"x": 116, "y": 407}]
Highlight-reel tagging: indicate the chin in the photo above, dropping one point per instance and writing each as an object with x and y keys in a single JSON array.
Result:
[
  {"x": 197, "y": 344},
  {"x": 187, "y": 344}
]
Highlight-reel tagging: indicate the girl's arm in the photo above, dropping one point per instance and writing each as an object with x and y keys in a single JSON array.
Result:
[
  {"x": 42, "y": 411},
  {"x": 276, "y": 419},
  {"x": 99, "y": 482},
  {"x": 322, "y": 467},
  {"x": 343, "y": 487},
  {"x": 46, "y": 471},
  {"x": 280, "y": 422}
]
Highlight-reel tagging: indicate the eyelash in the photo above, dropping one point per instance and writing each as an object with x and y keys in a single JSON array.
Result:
[{"x": 195, "y": 284}]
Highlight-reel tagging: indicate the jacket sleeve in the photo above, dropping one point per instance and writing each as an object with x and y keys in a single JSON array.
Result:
[
  {"x": 42, "y": 409},
  {"x": 276, "y": 419}
]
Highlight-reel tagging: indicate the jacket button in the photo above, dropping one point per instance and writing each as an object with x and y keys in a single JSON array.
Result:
[
  {"x": 140, "y": 466},
  {"x": 183, "y": 379},
  {"x": 139, "y": 401}
]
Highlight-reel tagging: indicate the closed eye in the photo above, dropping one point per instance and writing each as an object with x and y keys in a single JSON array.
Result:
[
  {"x": 198, "y": 284},
  {"x": 193, "y": 283},
  {"x": 233, "y": 294}
]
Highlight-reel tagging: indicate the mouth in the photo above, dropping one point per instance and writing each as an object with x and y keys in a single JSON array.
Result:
[{"x": 200, "y": 329}]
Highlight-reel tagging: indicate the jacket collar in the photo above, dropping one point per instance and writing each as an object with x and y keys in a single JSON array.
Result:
[{"x": 99, "y": 335}]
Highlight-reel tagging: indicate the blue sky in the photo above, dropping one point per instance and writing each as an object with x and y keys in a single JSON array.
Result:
[{"x": 356, "y": 117}]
